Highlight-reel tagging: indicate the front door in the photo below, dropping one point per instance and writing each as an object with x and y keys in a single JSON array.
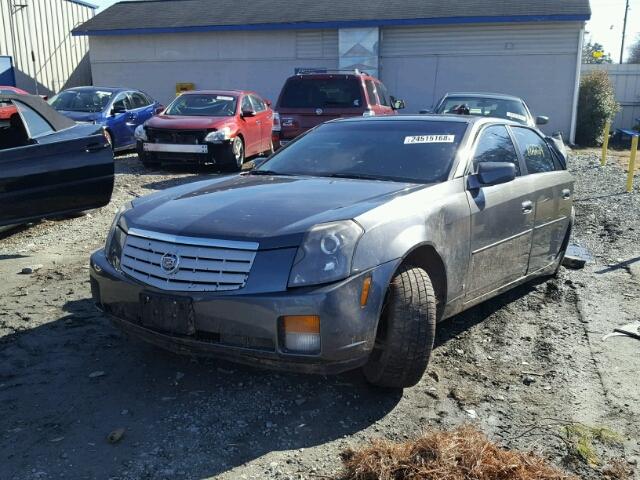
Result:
[
  {"x": 502, "y": 218},
  {"x": 122, "y": 121},
  {"x": 553, "y": 197},
  {"x": 251, "y": 130},
  {"x": 49, "y": 174}
]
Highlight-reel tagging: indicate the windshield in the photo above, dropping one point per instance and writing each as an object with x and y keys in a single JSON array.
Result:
[
  {"x": 90, "y": 101},
  {"x": 203, "y": 105},
  {"x": 486, "y": 107},
  {"x": 301, "y": 92},
  {"x": 403, "y": 151}
]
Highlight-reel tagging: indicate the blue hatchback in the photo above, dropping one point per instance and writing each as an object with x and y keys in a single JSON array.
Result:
[{"x": 119, "y": 110}]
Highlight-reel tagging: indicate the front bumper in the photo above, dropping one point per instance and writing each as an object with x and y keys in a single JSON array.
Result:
[
  {"x": 246, "y": 327},
  {"x": 184, "y": 154}
]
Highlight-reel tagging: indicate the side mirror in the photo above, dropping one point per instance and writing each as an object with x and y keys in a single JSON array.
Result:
[
  {"x": 268, "y": 102},
  {"x": 491, "y": 173},
  {"x": 397, "y": 104},
  {"x": 159, "y": 109},
  {"x": 248, "y": 113},
  {"x": 117, "y": 110},
  {"x": 542, "y": 120}
]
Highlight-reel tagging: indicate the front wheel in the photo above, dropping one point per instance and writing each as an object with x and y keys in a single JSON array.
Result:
[
  {"x": 406, "y": 331},
  {"x": 234, "y": 155}
]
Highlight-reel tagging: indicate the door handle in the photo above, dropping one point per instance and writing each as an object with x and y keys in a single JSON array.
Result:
[
  {"x": 527, "y": 207},
  {"x": 94, "y": 147},
  {"x": 566, "y": 194}
]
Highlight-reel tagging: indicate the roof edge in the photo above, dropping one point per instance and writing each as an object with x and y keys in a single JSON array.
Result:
[
  {"x": 84, "y": 4},
  {"x": 336, "y": 24}
]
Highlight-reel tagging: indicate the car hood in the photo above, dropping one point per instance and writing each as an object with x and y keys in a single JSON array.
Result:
[
  {"x": 178, "y": 122},
  {"x": 82, "y": 116},
  {"x": 276, "y": 211}
]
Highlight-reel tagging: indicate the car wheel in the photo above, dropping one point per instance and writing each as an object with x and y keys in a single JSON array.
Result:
[
  {"x": 235, "y": 155},
  {"x": 406, "y": 331},
  {"x": 109, "y": 138}
]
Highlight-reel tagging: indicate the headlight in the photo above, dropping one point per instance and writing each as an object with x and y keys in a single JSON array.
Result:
[
  {"x": 218, "y": 136},
  {"x": 140, "y": 133},
  {"x": 325, "y": 254},
  {"x": 116, "y": 238}
]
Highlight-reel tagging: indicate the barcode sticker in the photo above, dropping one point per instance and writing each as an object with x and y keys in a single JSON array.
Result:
[{"x": 429, "y": 139}]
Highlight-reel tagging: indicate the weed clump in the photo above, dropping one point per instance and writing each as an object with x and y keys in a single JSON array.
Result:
[{"x": 461, "y": 454}]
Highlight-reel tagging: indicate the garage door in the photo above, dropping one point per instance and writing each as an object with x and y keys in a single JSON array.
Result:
[{"x": 533, "y": 61}]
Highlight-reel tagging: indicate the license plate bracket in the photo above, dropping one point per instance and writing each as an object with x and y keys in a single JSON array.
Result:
[{"x": 168, "y": 314}]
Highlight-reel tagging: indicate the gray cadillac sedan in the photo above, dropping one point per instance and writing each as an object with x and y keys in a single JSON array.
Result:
[{"x": 342, "y": 250}]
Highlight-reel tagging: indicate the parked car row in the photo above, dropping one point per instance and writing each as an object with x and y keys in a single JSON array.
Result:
[{"x": 342, "y": 250}]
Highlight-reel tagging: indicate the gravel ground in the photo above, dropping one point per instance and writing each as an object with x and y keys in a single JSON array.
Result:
[{"x": 522, "y": 366}]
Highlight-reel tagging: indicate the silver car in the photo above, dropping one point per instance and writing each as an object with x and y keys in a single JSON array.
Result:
[{"x": 342, "y": 250}]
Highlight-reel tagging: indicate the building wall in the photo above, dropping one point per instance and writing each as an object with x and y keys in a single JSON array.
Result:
[
  {"x": 44, "y": 28},
  {"x": 537, "y": 62},
  {"x": 259, "y": 61},
  {"x": 626, "y": 82}
]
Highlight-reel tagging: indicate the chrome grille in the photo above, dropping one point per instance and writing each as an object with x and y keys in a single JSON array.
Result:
[{"x": 201, "y": 265}]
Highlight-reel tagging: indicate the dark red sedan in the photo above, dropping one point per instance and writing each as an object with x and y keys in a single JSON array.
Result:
[
  {"x": 8, "y": 109},
  {"x": 221, "y": 127}
]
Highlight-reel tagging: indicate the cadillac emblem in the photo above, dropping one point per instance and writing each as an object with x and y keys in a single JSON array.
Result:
[
  {"x": 319, "y": 111},
  {"x": 170, "y": 262}
]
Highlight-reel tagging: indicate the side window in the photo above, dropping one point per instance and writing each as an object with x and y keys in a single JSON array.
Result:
[
  {"x": 495, "y": 145},
  {"x": 383, "y": 94},
  {"x": 246, "y": 104},
  {"x": 258, "y": 104},
  {"x": 371, "y": 92},
  {"x": 35, "y": 124},
  {"x": 537, "y": 156},
  {"x": 122, "y": 101},
  {"x": 139, "y": 100}
]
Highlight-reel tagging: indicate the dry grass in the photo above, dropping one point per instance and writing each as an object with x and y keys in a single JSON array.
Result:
[{"x": 462, "y": 454}]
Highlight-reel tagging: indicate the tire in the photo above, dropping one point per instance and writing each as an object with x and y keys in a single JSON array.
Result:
[
  {"x": 406, "y": 331},
  {"x": 234, "y": 155},
  {"x": 109, "y": 138},
  {"x": 563, "y": 250},
  {"x": 148, "y": 163}
]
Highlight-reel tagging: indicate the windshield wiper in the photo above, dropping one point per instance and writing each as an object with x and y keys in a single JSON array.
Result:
[
  {"x": 269, "y": 172},
  {"x": 358, "y": 176}
]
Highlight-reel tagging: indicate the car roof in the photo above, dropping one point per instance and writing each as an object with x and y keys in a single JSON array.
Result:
[
  {"x": 102, "y": 89},
  {"x": 468, "y": 119},
  {"x": 220, "y": 92},
  {"x": 13, "y": 89},
  {"x": 501, "y": 96}
]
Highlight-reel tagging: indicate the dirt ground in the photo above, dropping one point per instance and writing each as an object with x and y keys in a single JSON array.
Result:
[{"x": 524, "y": 367}]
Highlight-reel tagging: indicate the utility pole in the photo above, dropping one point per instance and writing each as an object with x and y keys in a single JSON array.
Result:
[{"x": 624, "y": 31}]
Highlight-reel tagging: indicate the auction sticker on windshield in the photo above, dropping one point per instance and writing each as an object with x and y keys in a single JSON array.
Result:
[{"x": 429, "y": 139}]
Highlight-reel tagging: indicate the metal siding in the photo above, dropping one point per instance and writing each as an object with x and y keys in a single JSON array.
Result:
[
  {"x": 536, "y": 62},
  {"x": 259, "y": 61},
  {"x": 626, "y": 82},
  {"x": 44, "y": 27}
]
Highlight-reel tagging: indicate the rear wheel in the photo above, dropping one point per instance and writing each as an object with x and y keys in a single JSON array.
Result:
[{"x": 406, "y": 331}]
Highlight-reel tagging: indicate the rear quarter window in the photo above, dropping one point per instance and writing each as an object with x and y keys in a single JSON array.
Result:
[{"x": 301, "y": 92}]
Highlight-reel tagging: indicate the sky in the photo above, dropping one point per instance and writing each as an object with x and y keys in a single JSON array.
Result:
[{"x": 605, "y": 26}]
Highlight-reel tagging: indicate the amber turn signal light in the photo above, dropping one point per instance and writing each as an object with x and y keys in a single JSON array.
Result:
[
  {"x": 302, "y": 333},
  {"x": 366, "y": 287}
]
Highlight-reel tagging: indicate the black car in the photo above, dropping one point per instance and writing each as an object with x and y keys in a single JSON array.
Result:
[{"x": 49, "y": 165}]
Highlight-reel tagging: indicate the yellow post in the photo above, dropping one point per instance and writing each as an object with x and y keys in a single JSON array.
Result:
[
  {"x": 632, "y": 163},
  {"x": 605, "y": 144}
]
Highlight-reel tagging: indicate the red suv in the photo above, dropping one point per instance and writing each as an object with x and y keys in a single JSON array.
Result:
[{"x": 312, "y": 97}]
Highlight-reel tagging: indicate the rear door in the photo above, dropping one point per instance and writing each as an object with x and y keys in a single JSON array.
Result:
[
  {"x": 502, "y": 218},
  {"x": 53, "y": 172},
  {"x": 553, "y": 192},
  {"x": 143, "y": 108}
]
